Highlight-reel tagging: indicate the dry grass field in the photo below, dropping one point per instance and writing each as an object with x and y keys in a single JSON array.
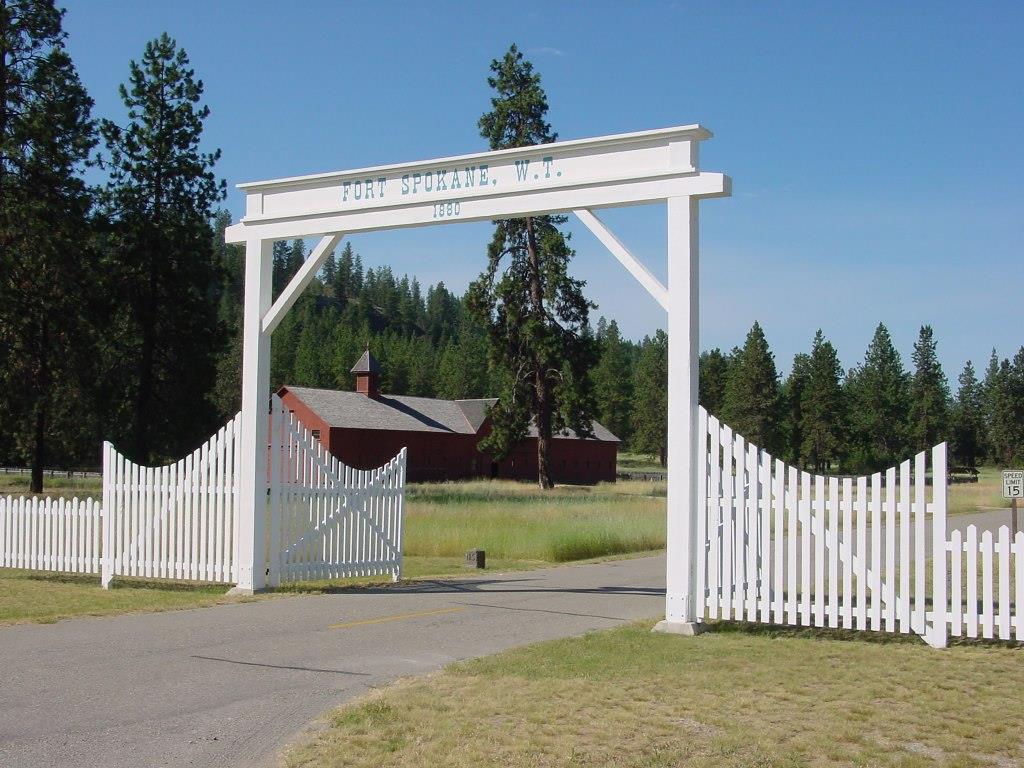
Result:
[{"x": 737, "y": 696}]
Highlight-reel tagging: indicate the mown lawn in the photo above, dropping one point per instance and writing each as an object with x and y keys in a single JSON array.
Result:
[
  {"x": 34, "y": 596},
  {"x": 737, "y": 696}
]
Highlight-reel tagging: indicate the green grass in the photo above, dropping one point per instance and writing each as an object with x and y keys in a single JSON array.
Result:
[
  {"x": 738, "y": 696},
  {"x": 964, "y": 498},
  {"x": 638, "y": 462},
  {"x": 517, "y": 521},
  {"x": 31, "y": 596},
  {"x": 82, "y": 487}
]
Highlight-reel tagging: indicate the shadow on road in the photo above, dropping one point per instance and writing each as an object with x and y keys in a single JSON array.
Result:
[{"x": 280, "y": 666}]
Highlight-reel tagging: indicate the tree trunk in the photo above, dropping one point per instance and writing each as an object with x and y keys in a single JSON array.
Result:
[
  {"x": 39, "y": 428},
  {"x": 144, "y": 396},
  {"x": 542, "y": 389}
]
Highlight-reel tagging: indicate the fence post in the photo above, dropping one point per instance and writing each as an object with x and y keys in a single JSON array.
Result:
[
  {"x": 277, "y": 446},
  {"x": 107, "y": 520},
  {"x": 684, "y": 609},
  {"x": 938, "y": 637},
  {"x": 400, "y": 470}
]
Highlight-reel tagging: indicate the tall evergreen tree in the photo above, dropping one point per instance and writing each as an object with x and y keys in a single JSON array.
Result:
[
  {"x": 46, "y": 279},
  {"x": 879, "y": 396},
  {"x": 714, "y": 371},
  {"x": 650, "y": 397},
  {"x": 791, "y": 398},
  {"x": 535, "y": 311},
  {"x": 613, "y": 382},
  {"x": 751, "y": 404},
  {"x": 822, "y": 407},
  {"x": 968, "y": 428},
  {"x": 160, "y": 196},
  {"x": 929, "y": 394}
]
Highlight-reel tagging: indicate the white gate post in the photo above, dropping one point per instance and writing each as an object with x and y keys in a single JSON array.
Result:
[
  {"x": 683, "y": 608},
  {"x": 252, "y": 491},
  {"x": 107, "y": 518}
]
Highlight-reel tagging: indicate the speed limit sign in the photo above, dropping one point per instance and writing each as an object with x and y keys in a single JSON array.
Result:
[{"x": 1013, "y": 483}]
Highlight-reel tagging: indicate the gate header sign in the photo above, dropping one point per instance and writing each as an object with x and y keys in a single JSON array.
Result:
[{"x": 626, "y": 169}]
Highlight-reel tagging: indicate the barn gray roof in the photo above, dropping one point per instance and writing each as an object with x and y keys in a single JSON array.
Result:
[{"x": 402, "y": 413}]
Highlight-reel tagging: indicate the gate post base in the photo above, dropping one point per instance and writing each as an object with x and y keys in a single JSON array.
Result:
[{"x": 686, "y": 628}]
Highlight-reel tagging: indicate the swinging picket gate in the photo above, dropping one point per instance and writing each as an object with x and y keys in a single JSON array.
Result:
[
  {"x": 784, "y": 547},
  {"x": 181, "y": 521}
]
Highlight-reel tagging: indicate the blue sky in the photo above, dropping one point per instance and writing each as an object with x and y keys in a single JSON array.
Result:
[{"x": 875, "y": 149}]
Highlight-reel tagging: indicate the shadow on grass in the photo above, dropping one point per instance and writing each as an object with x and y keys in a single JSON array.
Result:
[
  {"x": 845, "y": 635},
  {"x": 813, "y": 633}
]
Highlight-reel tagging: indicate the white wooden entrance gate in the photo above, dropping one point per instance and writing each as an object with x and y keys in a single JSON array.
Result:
[
  {"x": 326, "y": 520},
  {"x": 659, "y": 166}
]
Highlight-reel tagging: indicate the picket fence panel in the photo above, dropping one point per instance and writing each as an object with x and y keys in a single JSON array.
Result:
[
  {"x": 178, "y": 521},
  {"x": 993, "y": 566},
  {"x": 328, "y": 520},
  {"x": 783, "y": 545},
  {"x": 50, "y": 534}
]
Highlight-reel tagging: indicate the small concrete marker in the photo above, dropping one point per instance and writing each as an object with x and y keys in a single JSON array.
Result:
[
  {"x": 475, "y": 558},
  {"x": 685, "y": 628}
]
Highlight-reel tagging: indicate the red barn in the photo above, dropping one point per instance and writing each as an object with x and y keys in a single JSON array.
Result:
[{"x": 365, "y": 428}]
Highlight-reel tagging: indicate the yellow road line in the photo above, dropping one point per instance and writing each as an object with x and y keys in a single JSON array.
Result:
[{"x": 396, "y": 617}]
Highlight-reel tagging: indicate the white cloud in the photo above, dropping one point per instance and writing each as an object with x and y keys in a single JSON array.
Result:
[{"x": 546, "y": 50}]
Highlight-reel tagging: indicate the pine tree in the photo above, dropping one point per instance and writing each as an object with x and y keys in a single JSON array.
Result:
[
  {"x": 650, "y": 397},
  {"x": 751, "y": 404},
  {"x": 879, "y": 406},
  {"x": 329, "y": 271},
  {"x": 535, "y": 311},
  {"x": 714, "y": 371},
  {"x": 822, "y": 407},
  {"x": 791, "y": 399},
  {"x": 613, "y": 381},
  {"x": 160, "y": 197},
  {"x": 48, "y": 308},
  {"x": 650, "y": 404},
  {"x": 968, "y": 430},
  {"x": 929, "y": 394},
  {"x": 343, "y": 288}
]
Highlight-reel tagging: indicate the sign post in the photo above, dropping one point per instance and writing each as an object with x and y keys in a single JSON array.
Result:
[{"x": 1013, "y": 489}]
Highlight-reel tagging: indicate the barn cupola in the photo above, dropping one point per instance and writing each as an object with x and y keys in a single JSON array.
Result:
[{"x": 367, "y": 372}]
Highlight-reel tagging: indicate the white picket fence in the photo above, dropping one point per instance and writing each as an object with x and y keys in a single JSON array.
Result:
[
  {"x": 178, "y": 521},
  {"x": 783, "y": 546},
  {"x": 328, "y": 520},
  {"x": 986, "y": 584},
  {"x": 181, "y": 521},
  {"x": 50, "y": 534}
]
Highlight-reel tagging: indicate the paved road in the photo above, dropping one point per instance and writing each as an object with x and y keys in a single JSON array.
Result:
[{"x": 227, "y": 686}]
